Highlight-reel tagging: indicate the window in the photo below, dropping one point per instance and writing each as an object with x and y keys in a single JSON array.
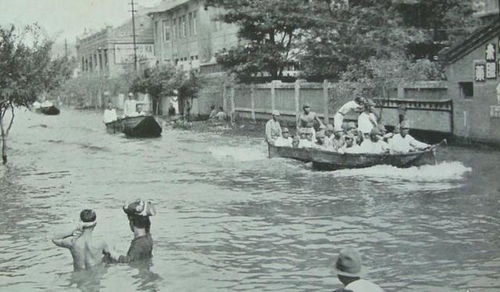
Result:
[
  {"x": 184, "y": 26},
  {"x": 174, "y": 28},
  {"x": 190, "y": 24},
  {"x": 166, "y": 31},
  {"x": 466, "y": 89},
  {"x": 195, "y": 24}
]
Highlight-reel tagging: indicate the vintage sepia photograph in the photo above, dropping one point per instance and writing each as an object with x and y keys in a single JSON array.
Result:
[{"x": 250, "y": 145}]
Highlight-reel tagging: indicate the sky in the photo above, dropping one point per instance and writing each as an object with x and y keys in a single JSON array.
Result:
[{"x": 67, "y": 19}]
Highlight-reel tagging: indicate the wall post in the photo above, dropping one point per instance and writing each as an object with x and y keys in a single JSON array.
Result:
[
  {"x": 232, "y": 104},
  {"x": 326, "y": 118},
  {"x": 297, "y": 99},
  {"x": 273, "y": 95},
  {"x": 252, "y": 100}
]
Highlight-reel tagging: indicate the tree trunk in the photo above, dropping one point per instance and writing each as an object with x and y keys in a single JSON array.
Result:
[{"x": 4, "y": 142}]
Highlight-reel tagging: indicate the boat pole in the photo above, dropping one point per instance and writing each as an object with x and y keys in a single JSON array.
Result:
[{"x": 133, "y": 11}]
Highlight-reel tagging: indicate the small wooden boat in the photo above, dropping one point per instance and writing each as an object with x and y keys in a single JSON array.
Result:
[
  {"x": 141, "y": 127},
  {"x": 328, "y": 160},
  {"x": 49, "y": 110}
]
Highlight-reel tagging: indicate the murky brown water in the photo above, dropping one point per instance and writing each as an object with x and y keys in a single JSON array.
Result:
[{"x": 232, "y": 220}]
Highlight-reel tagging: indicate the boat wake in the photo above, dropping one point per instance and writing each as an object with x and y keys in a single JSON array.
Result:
[
  {"x": 237, "y": 153},
  {"x": 444, "y": 171}
]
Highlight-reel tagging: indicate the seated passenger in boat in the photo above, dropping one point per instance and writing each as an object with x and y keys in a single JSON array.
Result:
[
  {"x": 130, "y": 106},
  {"x": 140, "y": 110},
  {"x": 221, "y": 115},
  {"x": 296, "y": 141},
  {"x": 285, "y": 140},
  {"x": 384, "y": 135},
  {"x": 404, "y": 142},
  {"x": 329, "y": 136},
  {"x": 338, "y": 140},
  {"x": 350, "y": 146},
  {"x": 321, "y": 142},
  {"x": 273, "y": 128},
  {"x": 374, "y": 144},
  {"x": 306, "y": 135},
  {"x": 110, "y": 114}
]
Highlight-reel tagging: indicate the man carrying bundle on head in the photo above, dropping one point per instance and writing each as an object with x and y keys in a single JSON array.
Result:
[
  {"x": 141, "y": 247},
  {"x": 86, "y": 251}
]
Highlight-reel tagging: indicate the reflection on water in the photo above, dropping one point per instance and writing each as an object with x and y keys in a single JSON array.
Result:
[{"x": 232, "y": 220}]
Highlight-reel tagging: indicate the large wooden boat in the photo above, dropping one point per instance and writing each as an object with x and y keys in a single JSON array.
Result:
[
  {"x": 141, "y": 127},
  {"x": 328, "y": 160}
]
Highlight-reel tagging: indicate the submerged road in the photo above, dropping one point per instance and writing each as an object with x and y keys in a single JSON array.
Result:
[{"x": 230, "y": 219}]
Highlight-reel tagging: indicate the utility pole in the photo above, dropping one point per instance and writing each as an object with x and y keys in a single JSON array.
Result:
[
  {"x": 66, "y": 48},
  {"x": 133, "y": 11}
]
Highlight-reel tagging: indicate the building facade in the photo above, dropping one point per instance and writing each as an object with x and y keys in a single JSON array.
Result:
[
  {"x": 111, "y": 51},
  {"x": 187, "y": 34},
  {"x": 472, "y": 70}
]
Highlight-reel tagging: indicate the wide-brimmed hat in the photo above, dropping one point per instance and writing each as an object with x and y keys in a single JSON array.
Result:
[
  {"x": 275, "y": 113},
  {"x": 139, "y": 208},
  {"x": 348, "y": 263},
  {"x": 306, "y": 105},
  {"x": 404, "y": 124},
  {"x": 285, "y": 130}
]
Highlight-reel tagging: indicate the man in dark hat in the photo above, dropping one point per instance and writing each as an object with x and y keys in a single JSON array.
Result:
[
  {"x": 86, "y": 251},
  {"x": 348, "y": 268},
  {"x": 141, "y": 247}
]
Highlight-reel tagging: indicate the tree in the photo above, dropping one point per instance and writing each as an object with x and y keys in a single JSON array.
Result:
[
  {"x": 25, "y": 72},
  {"x": 268, "y": 28},
  {"x": 365, "y": 29}
]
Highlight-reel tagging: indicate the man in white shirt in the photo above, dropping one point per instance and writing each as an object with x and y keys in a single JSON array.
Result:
[
  {"x": 306, "y": 135},
  {"x": 285, "y": 140},
  {"x": 109, "y": 114},
  {"x": 350, "y": 146},
  {"x": 374, "y": 144},
  {"x": 273, "y": 128},
  {"x": 348, "y": 268},
  {"x": 403, "y": 142},
  {"x": 355, "y": 105},
  {"x": 367, "y": 119},
  {"x": 129, "y": 107}
]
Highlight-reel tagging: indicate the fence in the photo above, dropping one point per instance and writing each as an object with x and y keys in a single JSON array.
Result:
[{"x": 427, "y": 105}]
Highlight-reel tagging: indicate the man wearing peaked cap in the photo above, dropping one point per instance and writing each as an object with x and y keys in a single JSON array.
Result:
[
  {"x": 404, "y": 142},
  {"x": 349, "y": 269}
]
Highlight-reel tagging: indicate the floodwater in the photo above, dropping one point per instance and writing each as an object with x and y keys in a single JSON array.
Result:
[{"x": 230, "y": 219}]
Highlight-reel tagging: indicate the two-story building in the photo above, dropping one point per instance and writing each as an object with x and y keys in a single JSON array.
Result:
[
  {"x": 111, "y": 50},
  {"x": 188, "y": 35}
]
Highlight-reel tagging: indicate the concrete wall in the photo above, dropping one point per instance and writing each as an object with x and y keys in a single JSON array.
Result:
[{"x": 472, "y": 117}]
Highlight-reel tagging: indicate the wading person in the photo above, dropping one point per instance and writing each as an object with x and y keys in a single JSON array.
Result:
[
  {"x": 110, "y": 114},
  {"x": 85, "y": 250},
  {"x": 348, "y": 268},
  {"x": 355, "y": 105},
  {"x": 273, "y": 128},
  {"x": 306, "y": 120},
  {"x": 141, "y": 247}
]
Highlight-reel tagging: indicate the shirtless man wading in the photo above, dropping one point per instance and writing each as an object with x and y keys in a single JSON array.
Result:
[{"x": 86, "y": 251}]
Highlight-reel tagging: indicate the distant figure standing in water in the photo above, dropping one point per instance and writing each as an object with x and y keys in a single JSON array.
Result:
[
  {"x": 348, "y": 268},
  {"x": 86, "y": 251},
  {"x": 141, "y": 247}
]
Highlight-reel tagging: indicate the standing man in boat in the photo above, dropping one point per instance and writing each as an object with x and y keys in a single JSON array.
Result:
[
  {"x": 110, "y": 114},
  {"x": 273, "y": 128},
  {"x": 355, "y": 105},
  {"x": 404, "y": 142},
  {"x": 141, "y": 247},
  {"x": 306, "y": 120},
  {"x": 130, "y": 106},
  {"x": 86, "y": 251},
  {"x": 367, "y": 119},
  {"x": 348, "y": 268}
]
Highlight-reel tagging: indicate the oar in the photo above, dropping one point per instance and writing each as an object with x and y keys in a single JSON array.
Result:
[{"x": 435, "y": 146}]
